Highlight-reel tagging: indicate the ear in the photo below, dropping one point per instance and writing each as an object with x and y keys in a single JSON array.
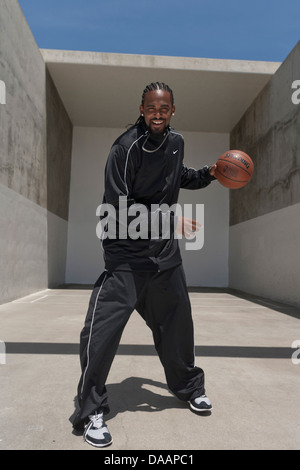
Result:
[
  {"x": 173, "y": 109},
  {"x": 141, "y": 109}
]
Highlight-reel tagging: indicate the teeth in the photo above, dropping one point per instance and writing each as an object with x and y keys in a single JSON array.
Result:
[{"x": 157, "y": 122}]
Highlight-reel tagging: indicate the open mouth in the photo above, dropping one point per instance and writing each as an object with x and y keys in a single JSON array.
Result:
[{"x": 157, "y": 123}]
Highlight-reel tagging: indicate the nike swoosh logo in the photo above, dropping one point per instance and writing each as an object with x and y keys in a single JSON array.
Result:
[{"x": 175, "y": 151}]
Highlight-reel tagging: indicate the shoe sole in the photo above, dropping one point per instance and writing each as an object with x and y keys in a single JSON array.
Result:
[
  {"x": 98, "y": 445},
  {"x": 200, "y": 410}
]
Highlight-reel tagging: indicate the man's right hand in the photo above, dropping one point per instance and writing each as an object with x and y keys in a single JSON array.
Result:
[{"x": 187, "y": 227}]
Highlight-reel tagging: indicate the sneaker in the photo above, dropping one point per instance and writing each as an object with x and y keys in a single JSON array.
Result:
[
  {"x": 201, "y": 404},
  {"x": 96, "y": 432}
]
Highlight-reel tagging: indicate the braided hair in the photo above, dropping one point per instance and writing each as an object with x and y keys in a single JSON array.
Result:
[{"x": 154, "y": 86}]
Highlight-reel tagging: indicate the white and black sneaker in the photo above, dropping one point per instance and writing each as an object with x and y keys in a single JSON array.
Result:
[
  {"x": 96, "y": 432},
  {"x": 200, "y": 404}
]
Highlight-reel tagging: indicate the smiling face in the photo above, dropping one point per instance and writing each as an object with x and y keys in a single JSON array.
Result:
[{"x": 157, "y": 110}]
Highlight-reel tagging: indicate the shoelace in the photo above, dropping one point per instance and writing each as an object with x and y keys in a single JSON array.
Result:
[{"x": 97, "y": 420}]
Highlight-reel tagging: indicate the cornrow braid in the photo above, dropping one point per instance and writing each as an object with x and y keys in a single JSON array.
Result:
[
  {"x": 153, "y": 87},
  {"x": 157, "y": 86}
]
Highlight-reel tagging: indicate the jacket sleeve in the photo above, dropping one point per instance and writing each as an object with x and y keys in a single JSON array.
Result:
[
  {"x": 130, "y": 216},
  {"x": 195, "y": 179}
]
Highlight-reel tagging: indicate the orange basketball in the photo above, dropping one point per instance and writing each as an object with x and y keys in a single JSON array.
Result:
[{"x": 234, "y": 169}]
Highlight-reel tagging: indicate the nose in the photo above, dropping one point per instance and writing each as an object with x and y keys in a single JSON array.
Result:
[{"x": 157, "y": 113}]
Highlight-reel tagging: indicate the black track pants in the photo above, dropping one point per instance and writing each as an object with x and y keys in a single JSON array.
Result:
[{"x": 162, "y": 300}]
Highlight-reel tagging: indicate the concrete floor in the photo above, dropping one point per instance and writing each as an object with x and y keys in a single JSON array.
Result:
[{"x": 243, "y": 344}]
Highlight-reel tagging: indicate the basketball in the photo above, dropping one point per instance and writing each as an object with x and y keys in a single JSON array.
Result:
[{"x": 234, "y": 169}]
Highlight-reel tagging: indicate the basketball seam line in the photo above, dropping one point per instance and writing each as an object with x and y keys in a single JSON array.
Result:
[
  {"x": 232, "y": 163},
  {"x": 235, "y": 181}
]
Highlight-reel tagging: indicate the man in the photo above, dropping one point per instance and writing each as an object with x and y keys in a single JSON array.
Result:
[{"x": 144, "y": 170}]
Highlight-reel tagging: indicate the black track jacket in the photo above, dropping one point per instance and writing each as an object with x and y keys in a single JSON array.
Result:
[{"x": 142, "y": 187}]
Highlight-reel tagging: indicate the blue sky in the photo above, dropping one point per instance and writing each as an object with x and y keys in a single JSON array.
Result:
[{"x": 227, "y": 29}]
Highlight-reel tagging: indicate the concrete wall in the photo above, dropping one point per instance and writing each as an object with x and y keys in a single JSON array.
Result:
[
  {"x": 206, "y": 267},
  {"x": 265, "y": 215},
  {"x": 59, "y": 154},
  {"x": 25, "y": 231},
  {"x": 23, "y": 156}
]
